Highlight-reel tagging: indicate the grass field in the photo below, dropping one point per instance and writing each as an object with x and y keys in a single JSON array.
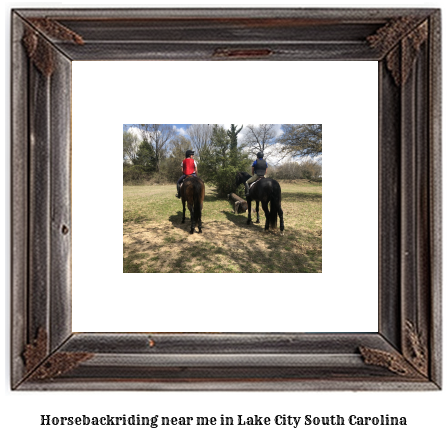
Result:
[{"x": 155, "y": 240}]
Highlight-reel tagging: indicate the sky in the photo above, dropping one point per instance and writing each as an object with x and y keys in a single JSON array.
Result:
[{"x": 181, "y": 129}]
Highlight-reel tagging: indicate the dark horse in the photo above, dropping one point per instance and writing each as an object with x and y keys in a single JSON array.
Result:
[
  {"x": 193, "y": 193},
  {"x": 264, "y": 191}
]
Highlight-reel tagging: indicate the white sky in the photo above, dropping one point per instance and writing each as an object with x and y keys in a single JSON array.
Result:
[{"x": 273, "y": 157}]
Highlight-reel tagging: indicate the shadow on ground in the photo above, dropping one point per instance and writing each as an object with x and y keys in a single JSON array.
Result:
[
  {"x": 227, "y": 247},
  {"x": 241, "y": 220},
  {"x": 176, "y": 221}
]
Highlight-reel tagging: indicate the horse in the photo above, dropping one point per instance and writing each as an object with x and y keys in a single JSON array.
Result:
[
  {"x": 192, "y": 193},
  {"x": 265, "y": 191}
]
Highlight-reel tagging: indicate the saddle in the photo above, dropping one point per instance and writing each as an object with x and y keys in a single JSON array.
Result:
[
  {"x": 187, "y": 176},
  {"x": 254, "y": 182}
]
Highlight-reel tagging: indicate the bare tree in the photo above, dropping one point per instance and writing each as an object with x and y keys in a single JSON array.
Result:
[
  {"x": 159, "y": 135},
  {"x": 260, "y": 138},
  {"x": 130, "y": 146},
  {"x": 200, "y": 136},
  {"x": 172, "y": 164},
  {"x": 301, "y": 141}
]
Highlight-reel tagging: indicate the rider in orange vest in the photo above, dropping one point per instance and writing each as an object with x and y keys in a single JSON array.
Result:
[{"x": 189, "y": 167}]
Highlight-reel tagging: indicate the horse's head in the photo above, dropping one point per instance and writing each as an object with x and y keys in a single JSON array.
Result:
[
  {"x": 241, "y": 177},
  {"x": 238, "y": 179}
]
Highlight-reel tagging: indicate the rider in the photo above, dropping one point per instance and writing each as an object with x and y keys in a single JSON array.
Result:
[
  {"x": 189, "y": 167},
  {"x": 258, "y": 168}
]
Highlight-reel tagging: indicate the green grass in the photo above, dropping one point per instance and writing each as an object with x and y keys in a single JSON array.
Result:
[
  {"x": 155, "y": 240},
  {"x": 131, "y": 263}
]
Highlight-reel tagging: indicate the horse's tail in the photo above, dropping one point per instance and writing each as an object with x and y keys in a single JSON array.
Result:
[
  {"x": 198, "y": 195},
  {"x": 275, "y": 206}
]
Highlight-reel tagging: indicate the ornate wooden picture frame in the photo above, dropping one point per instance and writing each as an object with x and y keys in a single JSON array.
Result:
[{"x": 405, "y": 353}]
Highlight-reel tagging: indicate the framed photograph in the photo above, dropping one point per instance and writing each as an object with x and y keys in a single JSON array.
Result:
[{"x": 403, "y": 354}]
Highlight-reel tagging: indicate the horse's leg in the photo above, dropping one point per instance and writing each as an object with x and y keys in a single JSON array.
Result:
[
  {"x": 249, "y": 210},
  {"x": 265, "y": 207},
  {"x": 192, "y": 220},
  {"x": 184, "y": 210},
  {"x": 257, "y": 212},
  {"x": 281, "y": 220},
  {"x": 199, "y": 221}
]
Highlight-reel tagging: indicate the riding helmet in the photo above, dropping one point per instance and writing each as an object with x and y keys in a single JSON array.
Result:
[
  {"x": 189, "y": 153},
  {"x": 260, "y": 155}
]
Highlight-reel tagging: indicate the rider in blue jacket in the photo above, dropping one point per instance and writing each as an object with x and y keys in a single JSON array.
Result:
[{"x": 258, "y": 168}]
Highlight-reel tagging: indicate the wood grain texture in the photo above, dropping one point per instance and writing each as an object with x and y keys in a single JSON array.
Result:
[
  {"x": 19, "y": 201},
  {"x": 390, "y": 207},
  {"x": 405, "y": 354},
  {"x": 39, "y": 200},
  {"x": 435, "y": 196},
  {"x": 60, "y": 201}
]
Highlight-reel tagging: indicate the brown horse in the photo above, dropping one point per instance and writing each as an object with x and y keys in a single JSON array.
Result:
[{"x": 192, "y": 193}]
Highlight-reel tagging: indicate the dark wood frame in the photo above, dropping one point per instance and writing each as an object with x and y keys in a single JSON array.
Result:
[{"x": 405, "y": 354}]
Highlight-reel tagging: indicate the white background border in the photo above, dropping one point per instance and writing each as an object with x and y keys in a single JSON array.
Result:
[{"x": 342, "y": 96}]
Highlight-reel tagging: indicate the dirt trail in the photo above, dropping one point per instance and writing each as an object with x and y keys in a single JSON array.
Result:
[
  {"x": 155, "y": 240},
  {"x": 162, "y": 242}
]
